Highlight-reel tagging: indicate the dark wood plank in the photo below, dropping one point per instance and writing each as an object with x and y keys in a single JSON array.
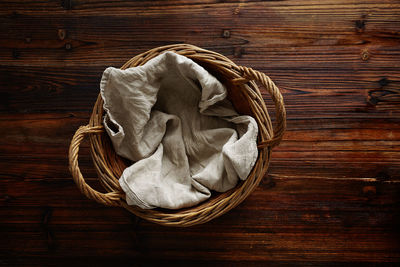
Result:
[
  {"x": 97, "y": 38},
  {"x": 354, "y": 146},
  {"x": 71, "y": 89},
  {"x": 290, "y": 217},
  {"x": 333, "y": 195}
]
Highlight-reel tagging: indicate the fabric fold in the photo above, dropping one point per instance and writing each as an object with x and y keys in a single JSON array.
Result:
[{"x": 172, "y": 119}]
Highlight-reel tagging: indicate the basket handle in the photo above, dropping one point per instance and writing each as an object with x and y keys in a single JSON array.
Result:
[
  {"x": 274, "y": 92},
  {"x": 108, "y": 199}
]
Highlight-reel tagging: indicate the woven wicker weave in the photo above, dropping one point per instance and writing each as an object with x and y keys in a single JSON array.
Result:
[{"x": 247, "y": 99}]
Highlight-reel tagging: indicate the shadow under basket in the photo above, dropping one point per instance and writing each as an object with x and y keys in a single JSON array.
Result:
[{"x": 245, "y": 96}]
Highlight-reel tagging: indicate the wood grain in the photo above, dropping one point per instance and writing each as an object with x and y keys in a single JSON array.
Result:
[{"x": 333, "y": 197}]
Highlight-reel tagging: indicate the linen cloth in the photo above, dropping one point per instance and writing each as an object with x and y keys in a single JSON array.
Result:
[{"x": 172, "y": 119}]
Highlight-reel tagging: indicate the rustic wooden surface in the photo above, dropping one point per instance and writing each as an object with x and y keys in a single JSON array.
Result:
[{"x": 334, "y": 193}]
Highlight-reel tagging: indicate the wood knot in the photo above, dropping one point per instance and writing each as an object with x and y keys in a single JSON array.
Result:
[
  {"x": 66, "y": 4},
  {"x": 271, "y": 184},
  {"x": 15, "y": 54},
  {"x": 62, "y": 34},
  {"x": 226, "y": 34},
  {"x": 360, "y": 25},
  {"x": 369, "y": 191},
  {"x": 365, "y": 55},
  {"x": 384, "y": 95},
  {"x": 68, "y": 46},
  {"x": 238, "y": 51},
  {"x": 383, "y": 82},
  {"x": 7, "y": 198}
]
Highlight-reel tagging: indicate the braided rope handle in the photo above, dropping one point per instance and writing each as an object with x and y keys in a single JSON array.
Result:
[
  {"x": 276, "y": 96},
  {"x": 108, "y": 199}
]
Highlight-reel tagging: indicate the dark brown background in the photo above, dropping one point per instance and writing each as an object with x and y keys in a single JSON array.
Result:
[{"x": 334, "y": 191}]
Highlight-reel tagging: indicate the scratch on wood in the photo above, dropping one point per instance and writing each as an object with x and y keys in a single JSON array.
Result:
[
  {"x": 51, "y": 245},
  {"x": 66, "y": 4},
  {"x": 284, "y": 177}
]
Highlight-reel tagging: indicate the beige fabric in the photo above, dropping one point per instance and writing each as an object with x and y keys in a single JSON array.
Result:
[{"x": 172, "y": 118}]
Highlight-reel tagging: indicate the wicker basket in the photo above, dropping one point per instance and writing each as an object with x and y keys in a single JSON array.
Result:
[{"x": 246, "y": 98}]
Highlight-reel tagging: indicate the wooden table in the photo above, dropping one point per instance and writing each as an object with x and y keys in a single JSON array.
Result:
[{"x": 334, "y": 192}]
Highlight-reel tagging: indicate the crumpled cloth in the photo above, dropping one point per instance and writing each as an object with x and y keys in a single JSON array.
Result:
[{"x": 172, "y": 119}]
